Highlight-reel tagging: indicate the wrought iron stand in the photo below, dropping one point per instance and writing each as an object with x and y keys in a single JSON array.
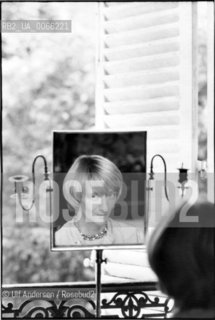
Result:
[{"x": 99, "y": 261}]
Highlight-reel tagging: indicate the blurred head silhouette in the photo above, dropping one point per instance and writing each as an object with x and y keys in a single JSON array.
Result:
[{"x": 181, "y": 253}]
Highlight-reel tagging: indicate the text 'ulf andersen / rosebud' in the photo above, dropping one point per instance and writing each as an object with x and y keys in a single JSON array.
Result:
[{"x": 56, "y": 294}]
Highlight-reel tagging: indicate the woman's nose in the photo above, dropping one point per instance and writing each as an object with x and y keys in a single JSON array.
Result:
[{"x": 104, "y": 204}]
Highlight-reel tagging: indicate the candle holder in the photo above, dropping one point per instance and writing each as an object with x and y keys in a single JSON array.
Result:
[
  {"x": 150, "y": 187},
  {"x": 21, "y": 191},
  {"x": 183, "y": 179},
  {"x": 151, "y": 174},
  {"x": 19, "y": 187}
]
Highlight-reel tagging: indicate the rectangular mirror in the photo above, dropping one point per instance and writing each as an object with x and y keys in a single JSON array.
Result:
[{"x": 99, "y": 189}]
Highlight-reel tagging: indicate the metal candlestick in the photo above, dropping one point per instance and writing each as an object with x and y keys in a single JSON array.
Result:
[{"x": 183, "y": 178}]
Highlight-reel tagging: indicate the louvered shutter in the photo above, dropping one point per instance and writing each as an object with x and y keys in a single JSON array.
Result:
[{"x": 146, "y": 75}]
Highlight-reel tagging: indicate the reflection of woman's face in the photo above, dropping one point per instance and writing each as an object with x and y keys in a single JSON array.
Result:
[{"x": 96, "y": 205}]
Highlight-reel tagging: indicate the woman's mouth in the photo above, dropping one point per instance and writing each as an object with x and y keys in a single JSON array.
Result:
[{"x": 101, "y": 214}]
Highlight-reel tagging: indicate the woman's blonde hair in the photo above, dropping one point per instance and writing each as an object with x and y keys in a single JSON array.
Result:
[{"x": 91, "y": 168}]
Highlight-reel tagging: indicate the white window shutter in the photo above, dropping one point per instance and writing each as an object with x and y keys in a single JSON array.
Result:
[
  {"x": 210, "y": 101},
  {"x": 146, "y": 76}
]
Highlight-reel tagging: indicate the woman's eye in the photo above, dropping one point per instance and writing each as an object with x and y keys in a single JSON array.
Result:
[{"x": 94, "y": 195}]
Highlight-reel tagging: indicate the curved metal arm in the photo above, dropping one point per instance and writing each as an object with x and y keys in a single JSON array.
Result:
[
  {"x": 46, "y": 175},
  {"x": 151, "y": 174}
]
